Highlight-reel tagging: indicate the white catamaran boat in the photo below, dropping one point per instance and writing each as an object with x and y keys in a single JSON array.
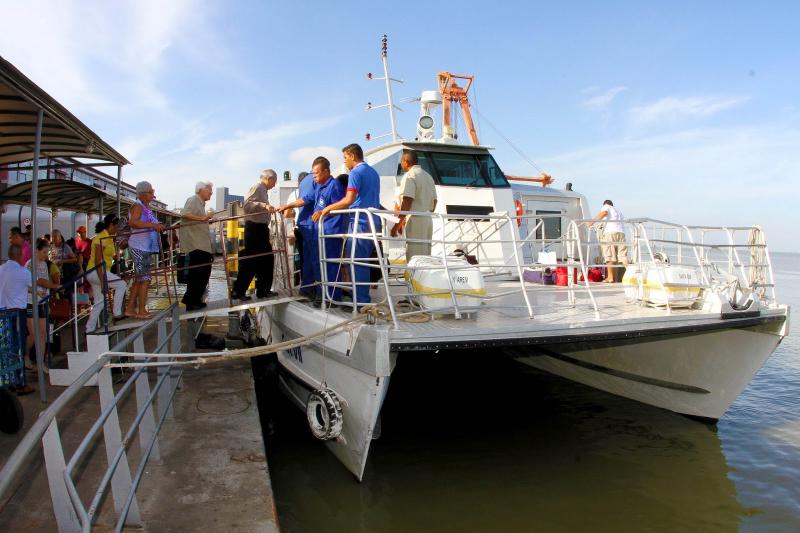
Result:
[{"x": 692, "y": 321}]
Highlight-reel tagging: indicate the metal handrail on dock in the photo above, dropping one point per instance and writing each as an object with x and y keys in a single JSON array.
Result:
[{"x": 71, "y": 513}]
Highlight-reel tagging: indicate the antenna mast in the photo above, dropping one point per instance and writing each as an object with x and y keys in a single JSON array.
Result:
[{"x": 388, "y": 79}]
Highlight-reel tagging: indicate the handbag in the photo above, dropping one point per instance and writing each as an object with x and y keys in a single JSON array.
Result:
[{"x": 59, "y": 309}]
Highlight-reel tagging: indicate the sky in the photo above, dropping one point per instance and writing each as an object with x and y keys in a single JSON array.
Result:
[{"x": 681, "y": 111}]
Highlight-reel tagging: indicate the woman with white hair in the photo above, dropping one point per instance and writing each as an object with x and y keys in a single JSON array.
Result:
[
  {"x": 142, "y": 244},
  {"x": 196, "y": 244}
]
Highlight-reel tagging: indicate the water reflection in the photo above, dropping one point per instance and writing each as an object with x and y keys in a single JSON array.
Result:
[{"x": 477, "y": 442}]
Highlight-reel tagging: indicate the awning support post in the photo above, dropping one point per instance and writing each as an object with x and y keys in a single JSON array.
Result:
[
  {"x": 119, "y": 190},
  {"x": 34, "y": 266}
]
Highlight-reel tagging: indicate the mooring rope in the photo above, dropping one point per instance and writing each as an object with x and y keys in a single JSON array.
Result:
[
  {"x": 226, "y": 355},
  {"x": 374, "y": 311}
]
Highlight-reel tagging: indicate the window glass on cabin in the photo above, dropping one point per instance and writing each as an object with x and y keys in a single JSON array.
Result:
[
  {"x": 550, "y": 227},
  {"x": 492, "y": 171},
  {"x": 459, "y": 170},
  {"x": 466, "y": 170}
]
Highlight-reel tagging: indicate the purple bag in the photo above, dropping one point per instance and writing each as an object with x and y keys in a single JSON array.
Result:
[{"x": 546, "y": 276}]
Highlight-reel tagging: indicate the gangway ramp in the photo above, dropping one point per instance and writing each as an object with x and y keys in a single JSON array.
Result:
[{"x": 214, "y": 308}]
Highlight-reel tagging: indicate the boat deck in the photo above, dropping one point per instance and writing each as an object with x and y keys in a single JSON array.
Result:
[{"x": 505, "y": 321}]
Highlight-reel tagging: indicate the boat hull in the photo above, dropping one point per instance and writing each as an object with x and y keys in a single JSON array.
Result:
[
  {"x": 698, "y": 374},
  {"x": 355, "y": 365}
]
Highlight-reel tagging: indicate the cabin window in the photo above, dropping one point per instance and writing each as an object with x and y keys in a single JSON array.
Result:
[
  {"x": 492, "y": 171},
  {"x": 467, "y": 170},
  {"x": 550, "y": 227},
  {"x": 460, "y": 170}
]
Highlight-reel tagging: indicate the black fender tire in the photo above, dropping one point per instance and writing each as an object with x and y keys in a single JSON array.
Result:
[{"x": 324, "y": 413}]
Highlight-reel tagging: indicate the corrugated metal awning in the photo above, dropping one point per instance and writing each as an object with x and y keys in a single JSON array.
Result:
[
  {"x": 69, "y": 195},
  {"x": 63, "y": 135}
]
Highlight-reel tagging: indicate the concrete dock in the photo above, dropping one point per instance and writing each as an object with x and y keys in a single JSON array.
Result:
[{"x": 212, "y": 474}]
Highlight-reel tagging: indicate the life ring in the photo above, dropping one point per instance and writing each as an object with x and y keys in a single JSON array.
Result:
[
  {"x": 520, "y": 211},
  {"x": 324, "y": 413}
]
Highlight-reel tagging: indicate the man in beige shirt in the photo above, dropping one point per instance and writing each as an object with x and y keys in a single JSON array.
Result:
[
  {"x": 196, "y": 244},
  {"x": 418, "y": 193},
  {"x": 256, "y": 241}
]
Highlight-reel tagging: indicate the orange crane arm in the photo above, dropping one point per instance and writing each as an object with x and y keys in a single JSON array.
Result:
[
  {"x": 468, "y": 121},
  {"x": 453, "y": 92},
  {"x": 544, "y": 179}
]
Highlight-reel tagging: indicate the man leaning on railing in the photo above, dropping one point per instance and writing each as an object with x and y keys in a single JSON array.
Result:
[
  {"x": 326, "y": 191},
  {"x": 363, "y": 192}
]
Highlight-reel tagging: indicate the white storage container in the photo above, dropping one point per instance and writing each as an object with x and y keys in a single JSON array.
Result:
[
  {"x": 430, "y": 287},
  {"x": 680, "y": 288}
]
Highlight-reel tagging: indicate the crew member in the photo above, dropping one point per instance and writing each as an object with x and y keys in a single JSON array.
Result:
[
  {"x": 256, "y": 241},
  {"x": 306, "y": 244},
  {"x": 196, "y": 242},
  {"x": 418, "y": 193},
  {"x": 326, "y": 191},
  {"x": 363, "y": 192}
]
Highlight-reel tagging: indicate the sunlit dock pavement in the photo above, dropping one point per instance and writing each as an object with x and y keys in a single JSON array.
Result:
[{"x": 212, "y": 474}]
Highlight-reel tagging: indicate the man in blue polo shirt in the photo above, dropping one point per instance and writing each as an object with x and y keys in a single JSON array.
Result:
[
  {"x": 307, "y": 245},
  {"x": 325, "y": 192},
  {"x": 363, "y": 192}
]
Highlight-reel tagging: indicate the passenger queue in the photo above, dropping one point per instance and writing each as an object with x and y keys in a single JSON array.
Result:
[{"x": 95, "y": 262}]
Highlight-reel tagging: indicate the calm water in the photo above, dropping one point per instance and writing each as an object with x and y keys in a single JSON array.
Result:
[{"x": 536, "y": 452}]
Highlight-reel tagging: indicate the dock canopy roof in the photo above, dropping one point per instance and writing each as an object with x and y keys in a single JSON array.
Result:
[
  {"x": 63, "y": 135},
  {"x": 71, "y": 196}
]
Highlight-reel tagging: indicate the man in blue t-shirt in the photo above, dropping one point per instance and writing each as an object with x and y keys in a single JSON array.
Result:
[
  {"x": 363, "y": 192},
  {"x": 325, "y": 192}
]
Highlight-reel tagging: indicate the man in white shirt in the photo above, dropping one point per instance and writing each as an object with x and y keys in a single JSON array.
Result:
[
  {"x": 612, "y": 239},
  {"x": 15, "y": 282}
]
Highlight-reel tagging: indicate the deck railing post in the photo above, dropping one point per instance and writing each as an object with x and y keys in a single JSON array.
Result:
[
  {"x": 164, "y": 391},
  {"x": 147, "y": 428},
  {"x": 517, "y": 249},
  {"x": 451, "y": 289},
  {"x": 121, "y": 482},
  {"x": 66, "y": 518},
  {"x": 76, "y": 346},
  {"x": 175, "y": 345}
]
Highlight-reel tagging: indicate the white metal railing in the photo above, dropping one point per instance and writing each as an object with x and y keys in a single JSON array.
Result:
[
  {"x": 499, "y": 248},
  {"x": 154, "y": 406}
]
